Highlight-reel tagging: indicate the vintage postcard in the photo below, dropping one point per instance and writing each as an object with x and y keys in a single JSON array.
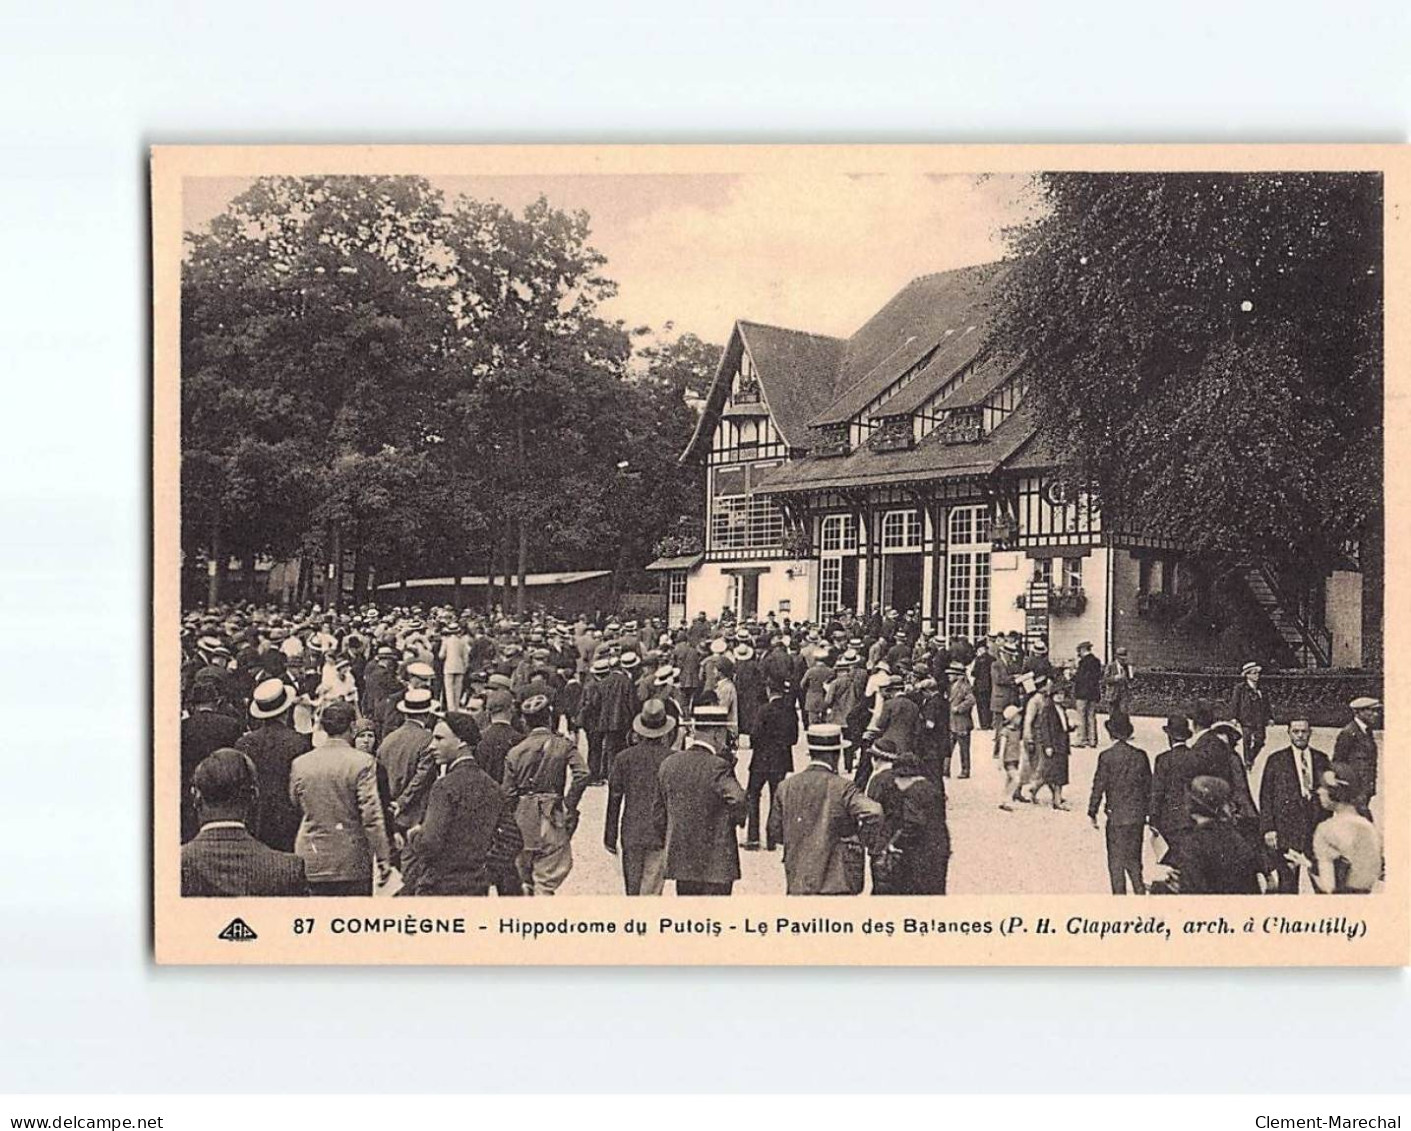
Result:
[{"x": 891, "y": 555}]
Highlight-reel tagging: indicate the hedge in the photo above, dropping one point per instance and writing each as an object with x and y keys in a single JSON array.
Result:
[{"x": 1321, "y": 696}]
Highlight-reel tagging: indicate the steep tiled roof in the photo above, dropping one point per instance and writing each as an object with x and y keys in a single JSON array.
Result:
[
  {"x": 900, "y": 334},
  {"x": 989, "y": 375},
  {"x": 796, "y": 370},
  {"x": 930, "y": 459}
]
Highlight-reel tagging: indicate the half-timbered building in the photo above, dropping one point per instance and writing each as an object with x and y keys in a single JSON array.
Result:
[{"x": 901, "y": 467}]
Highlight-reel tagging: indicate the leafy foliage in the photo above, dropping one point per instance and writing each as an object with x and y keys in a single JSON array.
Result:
[
  {"x": 365, "y": 368},
  {"x": 1206, "y": 349}
]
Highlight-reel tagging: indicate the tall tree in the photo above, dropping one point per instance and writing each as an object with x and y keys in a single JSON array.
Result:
[
  {"x": 314, "y": 317},
  {"x": 1207, "y": 350}
]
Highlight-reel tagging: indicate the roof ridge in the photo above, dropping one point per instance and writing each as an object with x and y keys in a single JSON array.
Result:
[{"x": 789, "y": 330}]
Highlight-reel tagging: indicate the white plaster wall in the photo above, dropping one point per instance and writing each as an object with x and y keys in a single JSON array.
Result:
[
  {"x": 1344, "y": 618},
  {"x": 1064, "y": 632},
  {"x": 1009, "y": 575},
  {"x": 799, "y": 591},
  {"x": 708, "y": 588}
]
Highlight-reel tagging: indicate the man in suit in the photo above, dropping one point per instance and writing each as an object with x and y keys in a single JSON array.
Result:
[
  {"x": 1004, "y": 686},
  {"x": 224, "y": 859},
  {"x": 204, "y": 731},
  {"x": 272, "y": 746},
  {"x": 1123, "y": 778},
  {"x": 1117, "y": 682},
  {"x": 617, "y": 707},
  {"x": 500, "y": 736},
  {"x": 342, "y": 835},
  {"x": 1289, "y": 809},
  {"x": 1087, "y": 691},
  {"x": 819, "y": 818},
  {"x": 408, "y": 760},
  {"x": 1167, "y": 813},
  {"x": 466, "y": 812},
  {"x": 1249, "y": 707},
  {"x": 897, "y": 720},
  {"x": 633, "y": 790},
  {"x": 698, "y": 808},
  {"x": 1356, "y": 745},
  {"x": 771, "y": 755}
]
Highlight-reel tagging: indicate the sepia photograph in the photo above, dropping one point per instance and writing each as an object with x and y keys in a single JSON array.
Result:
[{"x": 896, "y": 524}]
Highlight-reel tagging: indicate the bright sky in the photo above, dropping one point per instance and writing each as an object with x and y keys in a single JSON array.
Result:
[{"x": 702, "y": 251}]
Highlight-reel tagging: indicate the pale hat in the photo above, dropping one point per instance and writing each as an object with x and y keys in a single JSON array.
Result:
[
  {"x": 718, "y": 646},
  {"x": 666, "y": 675},
  {"x": 826, "y": 738},
  {"x": 1251, "y": 668},
  {"x": 743, "y": 652},
  {"x": 1364, "y": 703},
  {"x": 272, "y": 697},
  {"x": 417, "y": 701},
  {"x": 628, "y": 661},
  {"x": 420, "y": 670}
]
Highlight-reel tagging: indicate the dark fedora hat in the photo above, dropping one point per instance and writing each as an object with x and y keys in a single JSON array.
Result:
[
  {"x": 1119, "y": 725},
  {"x": 1177, "y": 728},
  {"x": 653, "y": 721}
]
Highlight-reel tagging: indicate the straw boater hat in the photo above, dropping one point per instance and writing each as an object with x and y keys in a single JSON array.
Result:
[
  {"x": 628, "y": 660},
  {"x": 601, "y": 666},
  {"x": 417, "y": 701},
  {"x": 826, "y": 738},
  {"x": 1251, "y": 668},
  {"x": 743, "y": 652},
  {"x": 1364, "y": 703},
  {"x": 419, "y": 670},
  {"x": 848, "y": 659},
  {"x": 272, "y": 697},
  {"x": 666, "y": 675},
  {"x": 718, "y": 646},
  {"x": 955, "y": 667},
  {"x": 653, "y": 722},
  {"x": 534, "y": 705},
  {"x": 1039, "y": 648}
]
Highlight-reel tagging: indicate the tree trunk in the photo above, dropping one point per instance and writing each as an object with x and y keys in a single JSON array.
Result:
[
  {"x": 360, "y": 577},
  {"x": 335, "y": 581},
  {"x": 522, "y": 469},
  {"x": 522, "y": 570},
  {"x": 247, "y": 577},
  {"x": 213, "y": 568}
]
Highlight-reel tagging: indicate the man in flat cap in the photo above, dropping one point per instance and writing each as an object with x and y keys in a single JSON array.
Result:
[{"x": 1356, "y": 746}]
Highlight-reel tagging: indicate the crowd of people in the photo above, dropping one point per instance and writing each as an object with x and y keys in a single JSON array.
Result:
[{"x": 443, "y": 752}]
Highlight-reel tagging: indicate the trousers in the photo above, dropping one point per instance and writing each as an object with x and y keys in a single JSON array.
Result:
[
  {"x": 454, "y": 682},
  {"x": 704, "y": 887},
  {"x": 1124, "y": 858},
  {"x": 643, "y": 870},
  {"x": 1087, "y": 721},
  {"x": 754, "y": 793},
  {"x": 962, "y": 743},
  {"x": 547, "y": 857}
]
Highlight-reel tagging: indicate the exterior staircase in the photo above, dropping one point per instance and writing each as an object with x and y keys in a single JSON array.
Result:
[{"x": 1310, "y": 644}]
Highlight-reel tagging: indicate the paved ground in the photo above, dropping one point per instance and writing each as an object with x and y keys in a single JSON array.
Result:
[{"x": 1032, "y": 850}]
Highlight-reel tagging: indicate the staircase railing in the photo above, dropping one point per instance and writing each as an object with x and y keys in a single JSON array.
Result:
[{"x": 1316, "y": 640}]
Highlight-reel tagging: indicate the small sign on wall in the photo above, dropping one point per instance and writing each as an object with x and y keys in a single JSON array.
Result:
[{"x": 1004, "y": 559}]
